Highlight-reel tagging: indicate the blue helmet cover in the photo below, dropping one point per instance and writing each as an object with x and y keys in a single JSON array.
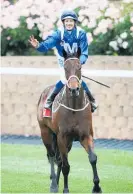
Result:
[{"x": 69, "y": 14}]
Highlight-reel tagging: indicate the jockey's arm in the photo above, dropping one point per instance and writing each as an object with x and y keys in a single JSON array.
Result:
[
  {"x": 84, "y": 48},
  {"x": 49, "y": 42}
]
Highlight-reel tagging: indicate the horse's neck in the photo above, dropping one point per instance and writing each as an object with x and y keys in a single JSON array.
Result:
[{"x": 74, "y": 102}]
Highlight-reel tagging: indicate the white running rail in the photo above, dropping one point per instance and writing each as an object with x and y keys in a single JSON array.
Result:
[{"x": 55, "y": 72}]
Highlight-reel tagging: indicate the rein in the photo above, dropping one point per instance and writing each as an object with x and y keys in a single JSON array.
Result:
[{"x": 68, "y": 108}]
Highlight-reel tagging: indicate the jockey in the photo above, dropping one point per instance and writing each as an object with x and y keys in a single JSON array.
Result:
[{"x": 65, "y": 38}]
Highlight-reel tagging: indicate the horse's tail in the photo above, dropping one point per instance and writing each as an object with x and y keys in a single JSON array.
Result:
[
  {"x": 57, "y": 158},
  {"x": 54, "y": 145},
  {"x": 56, "y": 149}
]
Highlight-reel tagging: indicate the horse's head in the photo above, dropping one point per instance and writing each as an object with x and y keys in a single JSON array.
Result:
[{"x": 72, "y": 68}]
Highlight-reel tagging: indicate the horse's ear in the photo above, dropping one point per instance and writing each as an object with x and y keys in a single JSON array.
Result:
[
  {"x": 64, "y": 54},
  {"x": 68, "y": 54},
  {"x": 79, "y": 52}
]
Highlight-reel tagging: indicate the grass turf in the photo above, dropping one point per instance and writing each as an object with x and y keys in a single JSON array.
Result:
[{"x": 25, "y": 169}]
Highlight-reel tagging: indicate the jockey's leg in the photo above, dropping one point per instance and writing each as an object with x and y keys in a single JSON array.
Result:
[
  {"x": 59, "y": 85},
  {"x": 91, "y": 98}
]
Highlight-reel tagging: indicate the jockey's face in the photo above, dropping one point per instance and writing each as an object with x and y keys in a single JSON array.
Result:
[{"x": 69, "y": 24}]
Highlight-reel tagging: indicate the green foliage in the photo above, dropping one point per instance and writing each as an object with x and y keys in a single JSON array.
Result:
[
  {"x": 100, "y": 43},
  {"x": 126, "y": 9},
  {"x": 18, "y": 40},
  {"x": 15, "y": 41},
  {"x": 125, "y": 27}
]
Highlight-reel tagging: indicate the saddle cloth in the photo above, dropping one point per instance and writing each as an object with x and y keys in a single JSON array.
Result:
[{"x": 46, "y": 112}]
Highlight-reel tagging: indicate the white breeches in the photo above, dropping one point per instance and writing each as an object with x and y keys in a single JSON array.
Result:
[
  {"x": 62, "y": 75},
  {"x": 61, "y": 69}
]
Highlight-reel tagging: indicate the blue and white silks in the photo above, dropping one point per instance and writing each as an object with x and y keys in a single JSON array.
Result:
[{"x": 69, "y": 41}]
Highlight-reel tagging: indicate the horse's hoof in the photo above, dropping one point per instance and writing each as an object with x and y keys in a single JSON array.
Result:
[
  {"x": 54, "y": 190},
  {"x": 66, "y": 191},
  {"x": 50, "y": 177},
  {"x": 96, "y": 190}
]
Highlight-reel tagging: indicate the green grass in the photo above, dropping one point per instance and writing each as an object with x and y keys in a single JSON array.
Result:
[{"x": 25, "y": 169}]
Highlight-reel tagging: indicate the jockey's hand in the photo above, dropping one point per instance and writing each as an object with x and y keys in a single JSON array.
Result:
[
  {"x": 83, "y": 59},
  {"x": 34, "y": 42}
]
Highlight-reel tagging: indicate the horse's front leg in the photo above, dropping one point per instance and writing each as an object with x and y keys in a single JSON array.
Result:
[
  {"x": 62, "y": 144},
  {"x": 89, "y": 146}
]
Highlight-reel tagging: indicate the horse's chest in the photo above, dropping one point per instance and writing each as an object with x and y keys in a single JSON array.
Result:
[{"x": 73, "y": 121}]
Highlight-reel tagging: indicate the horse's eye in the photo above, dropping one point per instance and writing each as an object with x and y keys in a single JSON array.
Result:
[
  {"x": 66, "y": 70},
  {"x": 79, "y": 66}
]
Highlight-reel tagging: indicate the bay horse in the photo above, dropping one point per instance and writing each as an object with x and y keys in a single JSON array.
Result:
[{"x": 71, "y": 120}]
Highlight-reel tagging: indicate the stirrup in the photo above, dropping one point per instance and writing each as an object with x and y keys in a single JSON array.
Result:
[
  {"x": 94, "y": 106},
  {"x": 48, "y": 105}
]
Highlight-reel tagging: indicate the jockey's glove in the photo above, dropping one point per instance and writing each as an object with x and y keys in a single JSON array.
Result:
[{"x": 83, "y": 59}]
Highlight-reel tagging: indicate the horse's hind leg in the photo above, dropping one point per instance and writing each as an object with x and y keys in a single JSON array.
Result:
[
  {"x": 62, "y": 144},
  {"x": 59, "y": 163},
  {"x": 58, "y": 158},
  {"x": 54, "y": 186},
  {"x": 47, "y": 140},
  {"x": 58, "y": 172},
  {"x": 88, "y": 145}
]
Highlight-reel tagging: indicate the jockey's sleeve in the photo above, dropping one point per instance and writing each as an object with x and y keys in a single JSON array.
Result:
[
  {"x": 84, "y": 47},
  {"x": 49, "y": 42}
]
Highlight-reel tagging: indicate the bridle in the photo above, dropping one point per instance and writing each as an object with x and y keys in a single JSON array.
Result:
[
  {"x": 76, "y": 93},
  {"x": 73, "y": 76}
]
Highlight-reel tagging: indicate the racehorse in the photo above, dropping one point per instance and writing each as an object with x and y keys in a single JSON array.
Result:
[{"x": 71, "y": 120}]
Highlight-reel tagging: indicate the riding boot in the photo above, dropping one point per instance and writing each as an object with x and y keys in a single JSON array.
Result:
[
  {"x": 92, "y": 101},
  {"x": 52, "y": 95},
  {"x": 91, "y": 98}
]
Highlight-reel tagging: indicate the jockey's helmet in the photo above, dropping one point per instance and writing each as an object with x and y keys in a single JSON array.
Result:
[{"x": 69, "y": 15}]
